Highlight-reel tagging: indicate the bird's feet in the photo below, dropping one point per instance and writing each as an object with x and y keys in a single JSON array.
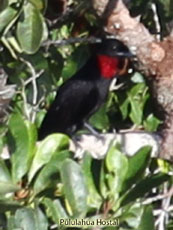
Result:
[
  {"x": 91, "y": 129},
  {"x": 98, "y": 135}
]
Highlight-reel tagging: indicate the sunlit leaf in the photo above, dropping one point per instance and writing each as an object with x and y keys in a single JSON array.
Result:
[
  {"x": 55, "y": 210},
  {"x": 49, "y": 174},
  {"x": 30, "y": 29},
  {"x": 4, "y": 172},
  {"x": 6, "y": 16},
  {"x": 94, "y": 198},
  {"x": 22, "y": 143},
  {"x": 7, "y": 187},
  {"x": 151, "y": 123},
  {"x": 46, "y": 149},
  {"x": 29, "y": 219},
  {"x": 74, "y": 187},
  {"x": 137, "y": 166},
  {"x": 144, "y": 186},
  {"x": 8, "y": 205},
  {"x": 147, "y": 220},
  {"x": 100, "y": 119},
  {"x": 115, "y": 162},
  {"x": 40, "y": 4}
]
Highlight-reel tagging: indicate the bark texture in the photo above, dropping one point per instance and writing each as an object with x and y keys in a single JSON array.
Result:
[{"x": 155, "y": 60}]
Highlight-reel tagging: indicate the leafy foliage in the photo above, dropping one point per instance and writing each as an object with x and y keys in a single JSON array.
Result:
[
  {"x": 56, "y": 186},
  {"x": 42, "y": 183}
]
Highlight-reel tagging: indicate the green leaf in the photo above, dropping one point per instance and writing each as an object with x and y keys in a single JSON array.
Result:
[
  {"x": 22, "y": 144},
  {"x": 38, "y": 61},
  {"x": 138, "y": 96},
  {"x": 56, "y": 64},
  {"x": 151, "y": 123},
  {"x": 100, "y": 119},
  {"x": 49, "y": 174},
  {"x": 54, "y": 209},
  {"x": 164, "y": 165},
  {"x": 4, "y": 4},
  {"x": 11, "y": 223},
  {"x": 137, "y": 166},
  {"x": 13, "y": 42},
  {"x": 147, "y": 220},
  {"x": 69, "y": 69},
  {"x": 6, "y": 16},
  {"x": 40, "y": 4},
  {"x": 4, "y": 173},
  {"x": 136, "y": 112},
  {"x": 103, "y": 185},
  {"x": 7, "y": 205},
  {"x": 25, "y": 219},
  {"x": 167, "y": 9},
  {"x": 45, "y": 32},
  {"x": 7, "y": 187},
  {"x": 41, "y": 219},
  {"x": 74, "y": 187},
  {"x": 1, "y": 143},
  {"x": 132, "y": 215},
  {"x": 46, "y": 149},
  {"x": 30, "y": 29},
  {"x": 115, "y": 162},
  {"x": 137, "y": 91},
  {"x": 94, "y": 199},
  {"x": 75, "y": 61},
  {"x": 3, "y": 221},
  {"x": 124, "y": 107},
  {"x": 144, "y": 187}
]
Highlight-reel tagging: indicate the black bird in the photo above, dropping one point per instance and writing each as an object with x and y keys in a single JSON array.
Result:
[{"x": 83, "y": 94}]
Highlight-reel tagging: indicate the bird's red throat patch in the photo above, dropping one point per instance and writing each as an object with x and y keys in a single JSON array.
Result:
[{"x": 108, "y": 65}]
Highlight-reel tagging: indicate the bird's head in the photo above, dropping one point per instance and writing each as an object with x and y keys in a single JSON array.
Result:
[{"x": 112, "y": 57}]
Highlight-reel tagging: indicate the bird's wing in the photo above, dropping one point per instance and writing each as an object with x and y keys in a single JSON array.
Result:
[
  {"x": 76, "y": 99},
  {"x": 74, "y": 102}
]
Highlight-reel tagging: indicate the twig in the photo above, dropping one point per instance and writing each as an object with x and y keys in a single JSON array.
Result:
[
  {"x": 156, "y": 20},
  {"x": 7, "y": 90},
  {"x": 63, "y": 42},
  {"x": 34, "y": 77},
  {"x": 164, "y": 211},
  {"x": 32, "y": 80},
  {"x": 25, "y": 103},
  {"x": 170, "y": 208},
  {"x": 154, "y": 199}
]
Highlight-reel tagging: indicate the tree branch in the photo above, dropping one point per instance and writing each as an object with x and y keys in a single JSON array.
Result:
[{"x": 154, "y": 60}]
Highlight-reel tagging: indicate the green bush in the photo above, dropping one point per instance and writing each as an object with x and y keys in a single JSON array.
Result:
[{"x": 41, "y": 183}]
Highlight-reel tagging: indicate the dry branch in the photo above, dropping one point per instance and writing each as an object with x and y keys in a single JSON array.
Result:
[
  {"x": 6, "y": 94},
  {"x": 130, "y": 143},
  {"x": 154, "y": 60}
]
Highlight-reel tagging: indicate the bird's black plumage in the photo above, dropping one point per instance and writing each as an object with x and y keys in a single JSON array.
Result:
[{"x": 80, "y": 96}]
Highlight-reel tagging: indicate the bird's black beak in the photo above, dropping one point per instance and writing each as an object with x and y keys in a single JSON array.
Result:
[{"x": 125, "y": 54}]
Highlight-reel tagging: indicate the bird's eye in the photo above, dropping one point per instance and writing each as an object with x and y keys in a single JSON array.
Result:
[{"x": 114, "y": 47}]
